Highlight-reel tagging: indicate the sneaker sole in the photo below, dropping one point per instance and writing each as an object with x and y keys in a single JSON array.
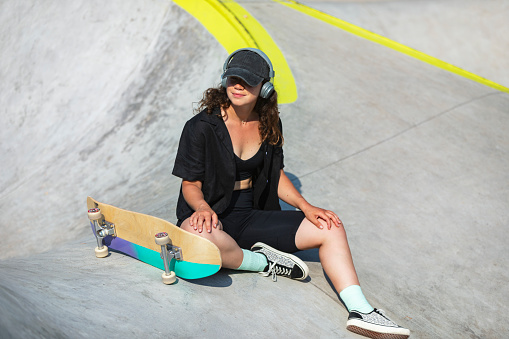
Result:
[
  {"x": 297, "y": 261},
  {"x": 385, "y": 333}
]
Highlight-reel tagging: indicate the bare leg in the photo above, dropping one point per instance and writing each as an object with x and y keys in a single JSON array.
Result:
[
  {"x": 231, "y": 253},
  {"x": 334, "y": 252}
]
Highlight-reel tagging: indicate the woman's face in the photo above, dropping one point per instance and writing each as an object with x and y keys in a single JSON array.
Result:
[{"x": 240, "y": 93}]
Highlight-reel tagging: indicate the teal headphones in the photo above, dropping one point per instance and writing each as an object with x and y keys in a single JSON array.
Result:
[{"x": 267, "y": 87}]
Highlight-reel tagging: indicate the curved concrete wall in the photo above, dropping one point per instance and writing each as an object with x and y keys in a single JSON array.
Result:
[{"x": 413, "y": 159}]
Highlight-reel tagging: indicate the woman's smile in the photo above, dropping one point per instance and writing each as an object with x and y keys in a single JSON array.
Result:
[{"x": 237, "y": 95}]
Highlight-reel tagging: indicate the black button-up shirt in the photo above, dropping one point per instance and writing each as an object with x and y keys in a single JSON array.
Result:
[{"x": 205, "y": 154}]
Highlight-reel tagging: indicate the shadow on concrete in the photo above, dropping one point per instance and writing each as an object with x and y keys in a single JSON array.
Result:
[
  {"x": 220, "y": 279},
  {"x": 296, "y": 182}
]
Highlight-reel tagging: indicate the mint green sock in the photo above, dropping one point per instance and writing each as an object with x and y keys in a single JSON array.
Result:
[
  {"x": 354, "y": 299},
  {"x": 253, "y": 261}
]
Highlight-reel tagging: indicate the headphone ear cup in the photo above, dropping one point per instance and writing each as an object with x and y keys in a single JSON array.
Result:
[
  {"x": 224, "y": 81},
  {"x": 266, "y": 90}
]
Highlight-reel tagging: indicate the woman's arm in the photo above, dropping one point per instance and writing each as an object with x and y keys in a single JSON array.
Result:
[
  {"x": 289, "y": 194},
  {"x": 203, "y": 215}
]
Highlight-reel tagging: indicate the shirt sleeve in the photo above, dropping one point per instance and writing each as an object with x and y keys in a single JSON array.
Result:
[{"x": 189, "y": 162}]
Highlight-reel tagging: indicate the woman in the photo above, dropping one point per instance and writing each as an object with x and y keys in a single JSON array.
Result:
[{"x": 230, "y": 159}]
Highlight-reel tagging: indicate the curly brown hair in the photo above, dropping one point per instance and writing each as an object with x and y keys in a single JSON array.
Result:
[{"x": 267, "y": 110}]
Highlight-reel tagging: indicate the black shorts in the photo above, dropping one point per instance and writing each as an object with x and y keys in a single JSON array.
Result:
[{"x": 248, "y": 226}]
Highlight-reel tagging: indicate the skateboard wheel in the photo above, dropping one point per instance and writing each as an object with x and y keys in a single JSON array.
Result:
[
  {"x": 94, "y": 214},
  {"x": 101, "y": 252},
  {"x": 162, "y": 238},
  {"x": 169, "y": 279}
]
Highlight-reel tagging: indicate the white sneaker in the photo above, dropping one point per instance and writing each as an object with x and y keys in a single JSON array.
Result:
[{"x": 375, "y": 325}]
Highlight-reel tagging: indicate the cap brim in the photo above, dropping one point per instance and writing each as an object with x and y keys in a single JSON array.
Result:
[{"x": 250, "y": 78}]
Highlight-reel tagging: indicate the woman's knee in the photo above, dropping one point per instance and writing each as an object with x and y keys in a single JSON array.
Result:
[
  {"x": 186, "y": 226},
  {"x": 213, "y": 236},
  {"x": 309, "y": 235}
]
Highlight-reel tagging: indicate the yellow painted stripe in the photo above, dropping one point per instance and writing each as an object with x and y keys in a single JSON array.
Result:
[
  {"x": 361, "y": 32},
  {"x": 235, "y": 28},
  {"x": 220, "y": 22}
]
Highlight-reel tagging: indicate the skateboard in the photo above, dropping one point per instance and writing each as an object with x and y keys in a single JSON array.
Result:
[{"x": 154, "y": 241}]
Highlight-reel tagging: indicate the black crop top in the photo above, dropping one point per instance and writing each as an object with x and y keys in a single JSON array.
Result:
[{"x": 246, "y": 168}]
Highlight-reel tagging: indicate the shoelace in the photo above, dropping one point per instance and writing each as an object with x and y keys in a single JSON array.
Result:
[{"x": 276, "y": 270}]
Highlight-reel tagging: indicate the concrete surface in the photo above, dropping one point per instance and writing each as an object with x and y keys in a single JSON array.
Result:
[
  {"x": 472, "y": 35},
  {"x": 94, "y": 96}
]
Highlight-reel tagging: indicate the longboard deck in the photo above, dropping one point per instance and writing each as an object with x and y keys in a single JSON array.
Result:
[{"x": 135, "y": 237}]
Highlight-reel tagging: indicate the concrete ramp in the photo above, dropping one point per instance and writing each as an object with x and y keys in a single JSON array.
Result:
[
  {"x": 414, "y": 160},
  {"x": 472, "y": 34}
]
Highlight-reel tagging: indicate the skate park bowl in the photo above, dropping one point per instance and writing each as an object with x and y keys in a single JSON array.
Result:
[{"x": 395, "y": 116}]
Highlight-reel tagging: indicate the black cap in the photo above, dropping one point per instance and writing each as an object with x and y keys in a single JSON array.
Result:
[{"x": 249, "y": 66}]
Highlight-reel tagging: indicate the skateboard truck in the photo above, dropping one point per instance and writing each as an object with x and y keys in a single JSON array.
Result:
[
  {"x": 173, "y": 252},
  {"x": 168, "y": 251},
  {"x": 102, "y": 229}
]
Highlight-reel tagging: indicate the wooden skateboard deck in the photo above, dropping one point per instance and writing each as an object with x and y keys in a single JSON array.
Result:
[{"x": 133, "y": 234}]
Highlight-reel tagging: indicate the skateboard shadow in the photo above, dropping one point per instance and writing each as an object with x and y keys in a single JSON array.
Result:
[
  {"x": 223, "y": 278},
  {"x": 220, "y": 279}
]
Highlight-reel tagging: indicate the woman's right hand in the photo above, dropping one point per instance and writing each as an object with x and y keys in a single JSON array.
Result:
[{"x": 204, "y": 216}]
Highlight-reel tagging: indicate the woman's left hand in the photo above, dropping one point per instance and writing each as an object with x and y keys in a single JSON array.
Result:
[{"x": 317, "y": 214}]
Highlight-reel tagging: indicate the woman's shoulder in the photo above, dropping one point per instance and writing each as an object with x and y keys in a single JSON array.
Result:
[
  {"x": 211, "y": 118},
  {"x": 203, "y": 124}
]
